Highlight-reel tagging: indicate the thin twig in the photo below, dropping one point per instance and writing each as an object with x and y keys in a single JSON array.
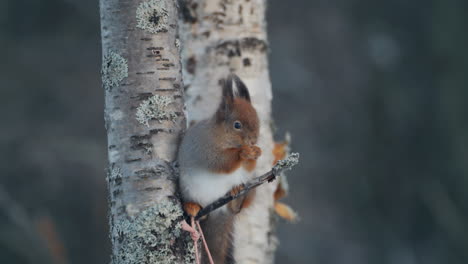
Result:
[{"x": 280, "y": 166}]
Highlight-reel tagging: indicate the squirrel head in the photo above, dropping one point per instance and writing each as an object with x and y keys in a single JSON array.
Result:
[{"x": 236, "y": 118}]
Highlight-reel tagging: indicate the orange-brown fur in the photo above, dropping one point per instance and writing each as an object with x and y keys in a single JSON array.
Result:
[
  {"x": 279, "y": 193},
  {"x": 192, "y": 209},
  {"x": 280, "y": 150},
  {"x": 279, "y": 153},
  {"x": 249, "y": 165},
  {"x": 249, "y": 198},
  {"x": 230, "y": 159}
]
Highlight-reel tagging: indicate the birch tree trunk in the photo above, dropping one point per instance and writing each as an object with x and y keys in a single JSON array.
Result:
[
  {"x": 218, "y": 37},
  {"x": 141, "y": 74}
]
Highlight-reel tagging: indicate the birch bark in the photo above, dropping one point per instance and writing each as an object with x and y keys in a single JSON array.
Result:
[
  {"x": 141, "y": 74},
  {"x": 218, "y": 37}
]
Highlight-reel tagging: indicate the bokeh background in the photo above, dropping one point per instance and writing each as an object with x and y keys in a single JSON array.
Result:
[{"x": 373, "y": 93}]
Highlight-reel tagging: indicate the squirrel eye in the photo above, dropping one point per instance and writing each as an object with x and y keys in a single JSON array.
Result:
[{"x": 237, "y": 125}]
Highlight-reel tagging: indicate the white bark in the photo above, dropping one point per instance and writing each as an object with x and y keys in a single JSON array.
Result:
[
  {"x": 218, "y": 37},
  {"x": 144, "y": 120}
]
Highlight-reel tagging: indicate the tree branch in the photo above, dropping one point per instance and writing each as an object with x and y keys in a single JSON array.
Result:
[{"x": 281, "y": 165}]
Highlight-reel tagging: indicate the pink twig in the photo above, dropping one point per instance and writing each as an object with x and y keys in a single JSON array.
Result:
[{"x": 204, "y": 243}]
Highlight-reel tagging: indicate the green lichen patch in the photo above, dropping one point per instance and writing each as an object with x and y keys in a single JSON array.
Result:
[
  {"x": 114, "y": 70},
  {"x": 155, "y": 107},
  {"x": 152, "y": 16},
  {"x": 114, "y": 175},
  {"x": 153, "y": 236}
]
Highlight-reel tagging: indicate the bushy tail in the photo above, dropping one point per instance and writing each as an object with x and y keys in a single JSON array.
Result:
[{"x": 218, "y": 228}]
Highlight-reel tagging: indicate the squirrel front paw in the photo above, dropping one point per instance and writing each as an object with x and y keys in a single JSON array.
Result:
[
  {"x": 235, "y": 205},
  {"x": 236, "y": 189},
  {"x": 191, "y": 208},
  {"x": 250, "y": 152}
]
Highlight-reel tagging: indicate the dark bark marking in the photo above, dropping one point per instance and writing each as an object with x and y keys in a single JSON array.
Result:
[
  {"x": 155, "y": 48},
  {"x": 118, "y": 181},
  {"x": 156, "y": 131},
  {"x": 148, "y": 173},
  {"x": 166, "y": 90},
  {"x": 142, "y": 143},
  {"x": 188, "y": 11},
  {"x": 116, "y": 192},
  {"x": 254, "y": 43},
  {"x": 152, "y": 189},
  {"x": 131, "y": 159},
  {"x": 191, "y": 65},
  {"x": 233, "y": 48},
  {"x": 167, "y": 79},
  {"x": 230, "y": 48},
  {"x": 142, "y": 96},
  {"x": 154, "y": 18}
]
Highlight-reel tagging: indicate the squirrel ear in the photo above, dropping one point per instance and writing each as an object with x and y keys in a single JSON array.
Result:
[
  {"x": 227, "y": 90},
  {"x": 242, "y": 90},
  {"x": 227, "y": 99}
]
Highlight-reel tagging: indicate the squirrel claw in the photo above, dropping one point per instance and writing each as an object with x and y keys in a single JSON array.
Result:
[
  {"x": 193, "y": 233},
  {"x": 237, "y": 189}
]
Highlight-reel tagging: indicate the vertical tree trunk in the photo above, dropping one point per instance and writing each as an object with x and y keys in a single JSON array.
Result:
[
  {"x": 141, "y": 74},
  {"x": 218, "y": 37}
]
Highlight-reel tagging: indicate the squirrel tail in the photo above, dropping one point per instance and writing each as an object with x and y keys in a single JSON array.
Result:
[{"x": 218, "y": 228}]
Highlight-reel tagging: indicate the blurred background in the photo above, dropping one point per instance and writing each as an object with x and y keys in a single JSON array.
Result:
[{"x": 373, "y": 93}]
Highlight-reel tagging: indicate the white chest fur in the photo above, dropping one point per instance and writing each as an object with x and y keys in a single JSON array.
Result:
[{"x": 204, "y": 187}]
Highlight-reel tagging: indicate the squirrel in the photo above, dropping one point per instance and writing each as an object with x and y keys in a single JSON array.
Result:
[{"x": 217, "y": 155}]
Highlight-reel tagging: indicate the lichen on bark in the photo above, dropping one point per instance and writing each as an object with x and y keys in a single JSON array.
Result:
[
  {"x": 154, "y": 235},
  {"x": 152, "y": 16},
  {"x": 155, "y": 108},
  {"x": 114, "y": 70},
  {"x": 114, "y": 174}
]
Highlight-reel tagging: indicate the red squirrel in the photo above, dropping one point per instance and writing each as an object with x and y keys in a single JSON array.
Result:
[{"x": 216, "y": 156}]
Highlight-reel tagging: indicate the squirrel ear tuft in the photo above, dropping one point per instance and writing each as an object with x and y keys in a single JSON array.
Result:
[
  {"x": 227, "y": 100},
  {"x": 242, "y": 90},
  {"x": 227, "y": 90}
]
